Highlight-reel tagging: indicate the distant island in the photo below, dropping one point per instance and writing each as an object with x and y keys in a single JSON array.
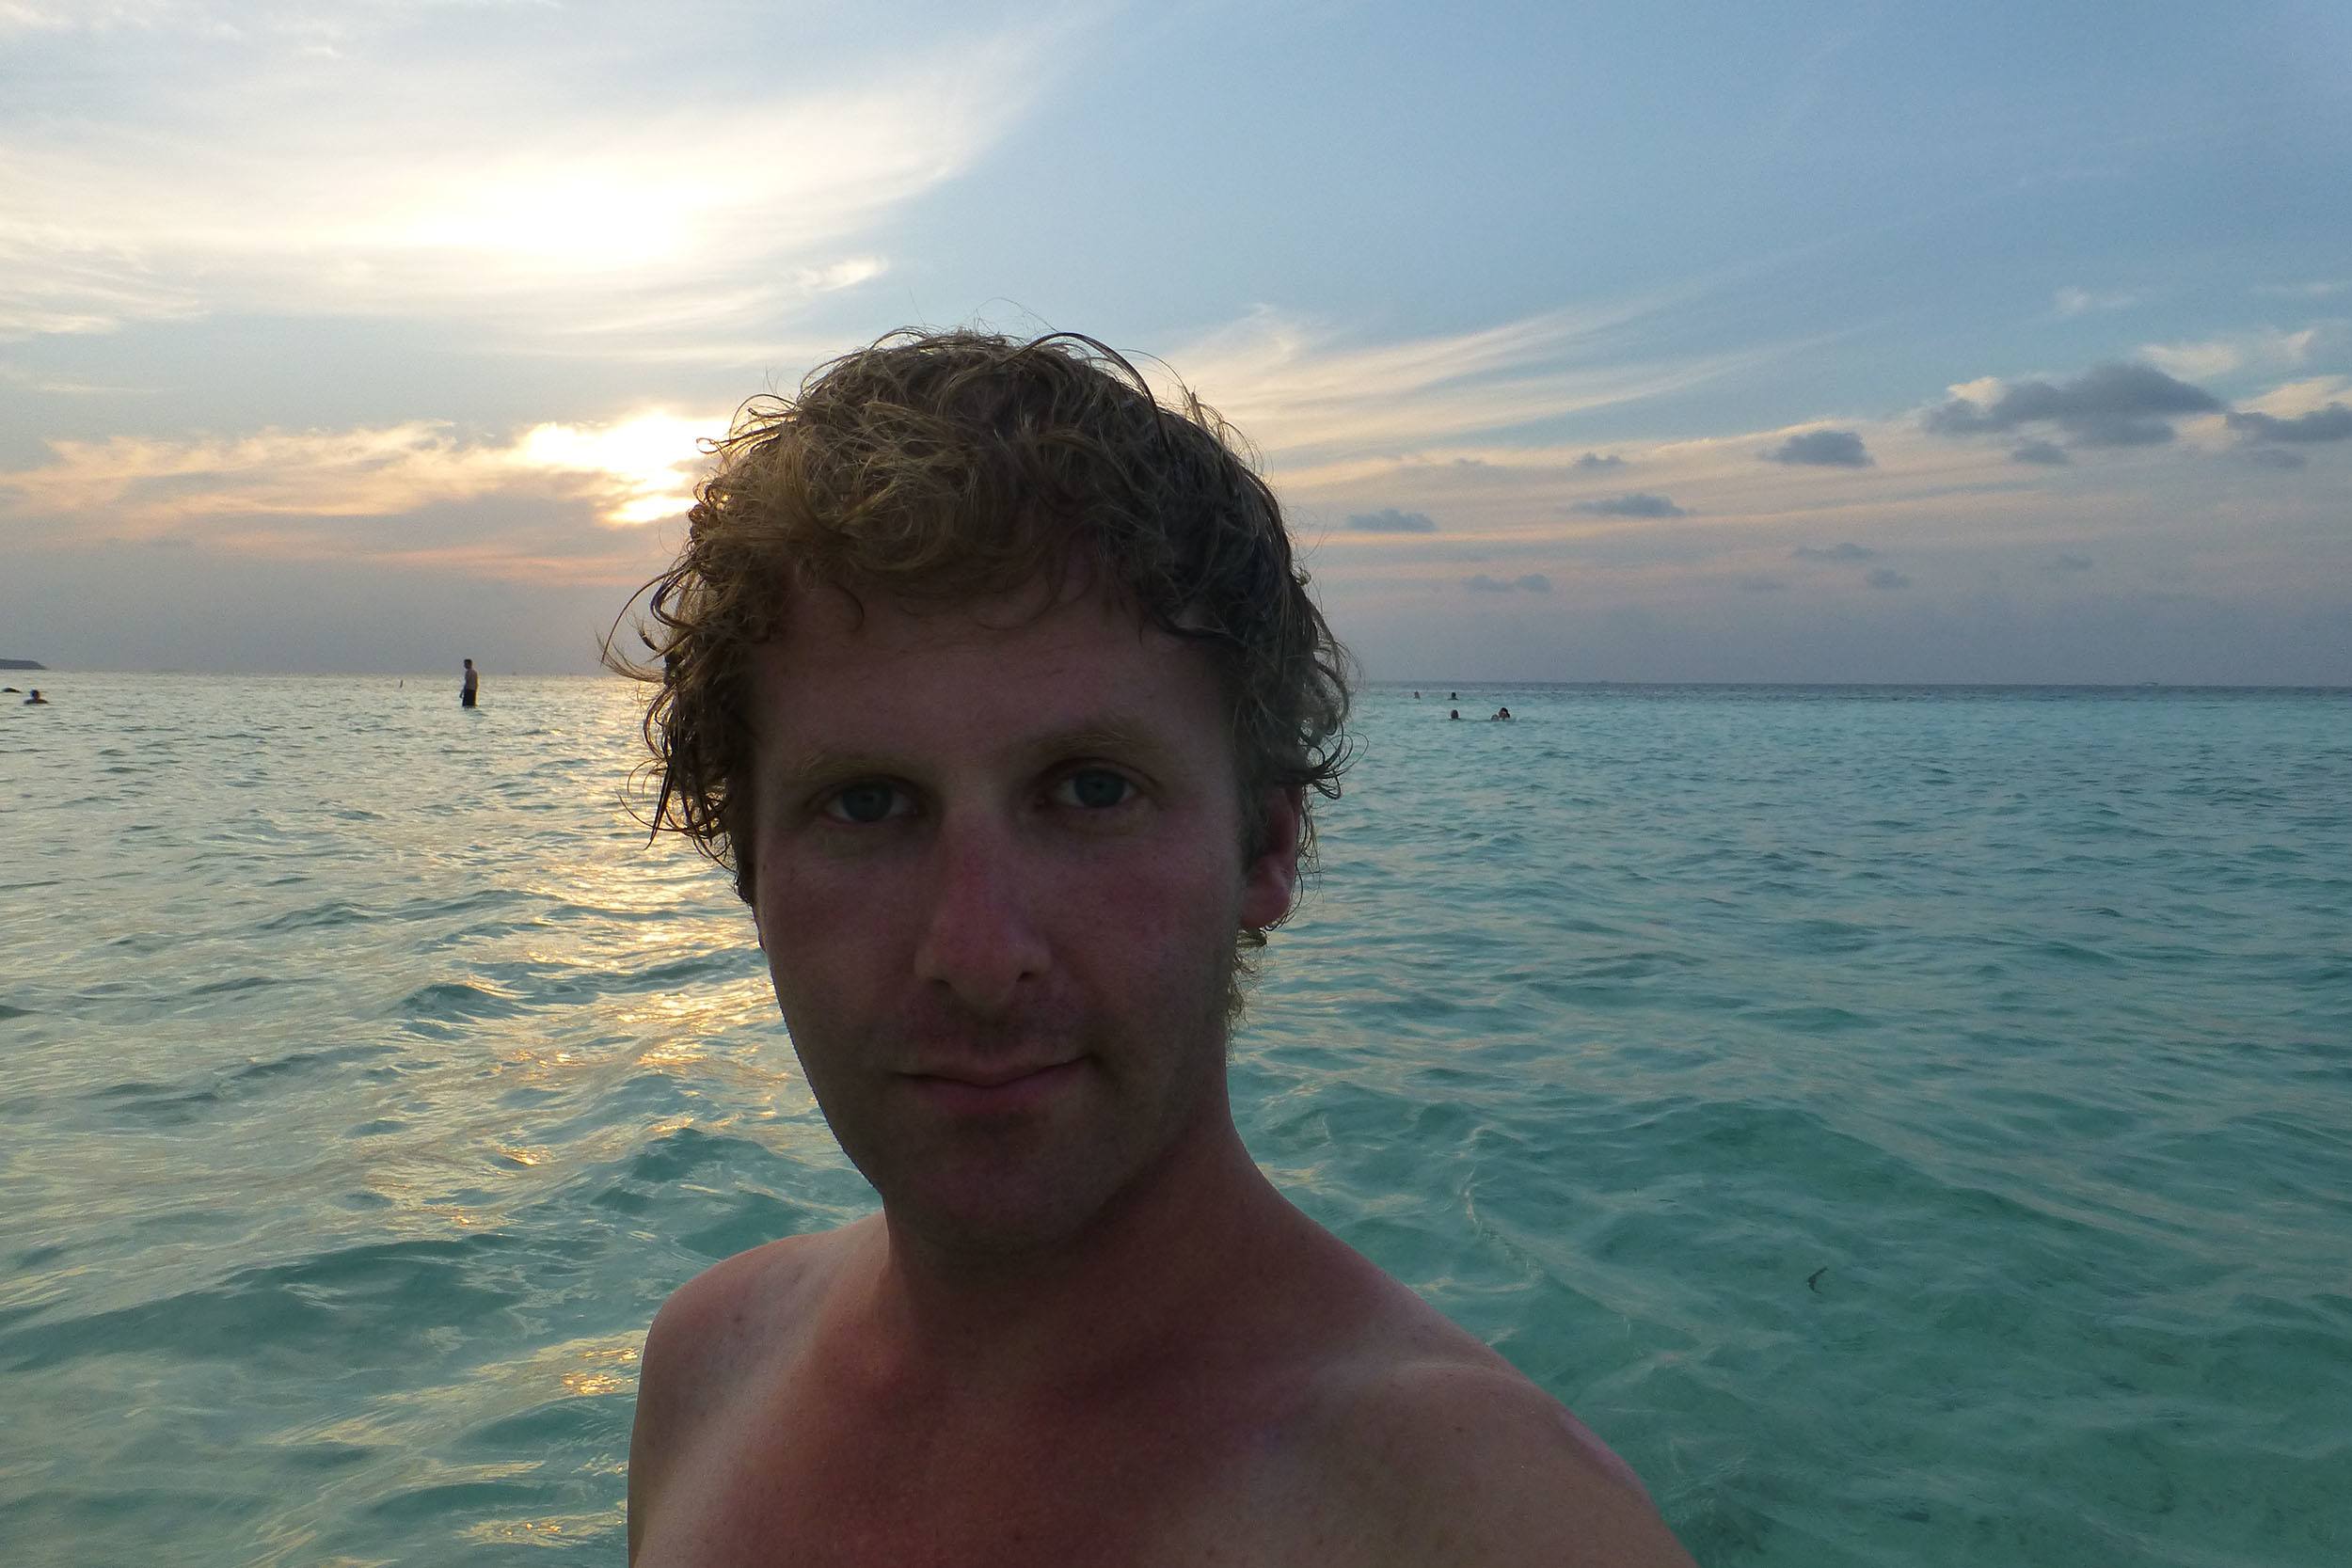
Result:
[{"x": 21, "y": 664}]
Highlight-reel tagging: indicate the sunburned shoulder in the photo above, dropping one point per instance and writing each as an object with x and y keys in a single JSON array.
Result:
[
  {"x": 709, "y": 1340},
  {"x": 734, "y": 1312},
  {"x": 1457, "y": 1458}
]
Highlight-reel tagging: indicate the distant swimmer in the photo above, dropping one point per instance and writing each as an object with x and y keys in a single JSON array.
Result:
[
  {"x": 37, "y": 698},
  {"x": 471, "y": 688},
  {"x": 1502, "y": 713},
  {"x": 1454, "y": 713}
]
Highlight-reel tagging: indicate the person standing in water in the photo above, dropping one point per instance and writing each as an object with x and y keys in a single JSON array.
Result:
[
  {"x": 473, "y": 687},
  {"x": 991, "y": 679}
]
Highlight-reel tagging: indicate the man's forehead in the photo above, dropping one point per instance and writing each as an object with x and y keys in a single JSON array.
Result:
[
  {"x": 818, "y": 621},
  {"x": 1036, "y": 657}
]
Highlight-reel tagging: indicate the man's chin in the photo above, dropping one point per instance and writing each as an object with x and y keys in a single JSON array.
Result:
[
  {"x": 997, "y": 1218},
  {"x": 992, "y": 1237}
]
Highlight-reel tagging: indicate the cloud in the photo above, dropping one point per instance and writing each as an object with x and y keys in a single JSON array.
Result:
[
  {"x": 2319, "y": 289},
  {"x": 1597, "y": 460},
  {"x": 363, "y": 161},
  {"x": 2070, "y": 563},
  {"x": 1532, "y": 582},
  {"x": 1827, "y": 449},
  {"x": 2076, "y": 302},
  {"x": 1639, "y": 503},
  {"x": 1306, "y": 398},
  {"x": 1887, "y": 576},
  {"x": 1391, "y": 521},
  {"x": 1835, "y": 552},
  {"x": 630, "y": 472},
  {"x": 1762, "y": 585},
  {"x": 2039, "y": 452},
  {"x": 2265, "y": 348},
  {"x": 2109, "y": 405},
  {"x": 2332, "y": 423},
  {"x": 848, "y": 273}
]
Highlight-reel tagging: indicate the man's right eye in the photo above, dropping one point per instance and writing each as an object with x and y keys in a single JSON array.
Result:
[{"x": 864, "y": 802}]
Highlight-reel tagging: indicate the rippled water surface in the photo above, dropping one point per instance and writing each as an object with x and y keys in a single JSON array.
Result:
[{"x": 1914, "y": 1128}]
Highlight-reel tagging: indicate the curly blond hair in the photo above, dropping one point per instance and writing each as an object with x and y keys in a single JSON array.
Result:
[{"x": 943, "y": 467}]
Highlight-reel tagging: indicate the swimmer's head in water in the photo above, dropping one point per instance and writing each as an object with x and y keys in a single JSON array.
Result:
[{"x": 952, "y": 467}]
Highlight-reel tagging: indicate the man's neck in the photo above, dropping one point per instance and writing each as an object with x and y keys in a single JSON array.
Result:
[{"x": 1148, "y": 1275}]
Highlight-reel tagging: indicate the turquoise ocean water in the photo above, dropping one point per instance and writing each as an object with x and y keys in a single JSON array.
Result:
[{"x": 1913, "y": 1127}]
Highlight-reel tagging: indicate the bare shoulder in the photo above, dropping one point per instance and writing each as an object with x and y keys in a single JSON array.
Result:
[
  {"x": 710, "y": 1339},
  {"x": 1424, "y": 1447},
  {"x": 1468, "y": 1462}
]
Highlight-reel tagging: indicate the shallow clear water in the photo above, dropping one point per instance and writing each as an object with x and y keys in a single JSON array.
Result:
[{"x": 1914, "y": 1128}]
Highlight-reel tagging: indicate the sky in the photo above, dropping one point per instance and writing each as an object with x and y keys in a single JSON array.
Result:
[{"x": 2008, "y": 343}]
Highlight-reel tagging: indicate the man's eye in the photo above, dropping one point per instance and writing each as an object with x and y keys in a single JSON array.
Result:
[
  {"x": 864, "y": 803},
  {"x": 1095, "y": 788}
]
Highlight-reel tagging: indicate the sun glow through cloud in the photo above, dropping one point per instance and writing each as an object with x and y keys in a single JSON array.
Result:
[{"x": 634, "y": 473}]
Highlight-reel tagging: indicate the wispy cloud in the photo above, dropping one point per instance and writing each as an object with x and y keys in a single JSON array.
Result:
[
  {"x": 2324, "y": 288},
  {"x": 1389, "y": 520},
  {"x": 1306, "y": 396},
  {"x": 1847, "y": 551},
  {"x": 628, "y": 473},
  {"x": 1531, "y": 582},
  {"x": 2077, "y": 302},
  {"x": 2266, "y": 349},
  {"x": 352, "y": 161}
]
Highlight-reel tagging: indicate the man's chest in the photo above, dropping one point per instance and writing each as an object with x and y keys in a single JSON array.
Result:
[{"x": 848, "y": 1492}]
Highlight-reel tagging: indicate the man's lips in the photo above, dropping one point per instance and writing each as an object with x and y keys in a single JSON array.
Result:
[
  {"x": 990, "y": 1087},
  {"x": 991, "y": 1076}
]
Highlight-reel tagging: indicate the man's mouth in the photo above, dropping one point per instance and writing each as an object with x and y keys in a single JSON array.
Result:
[{"x": 991, "y": 1087}]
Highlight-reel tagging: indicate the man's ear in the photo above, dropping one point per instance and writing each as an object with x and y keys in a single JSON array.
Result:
[{"x": 1270, "y": 880}]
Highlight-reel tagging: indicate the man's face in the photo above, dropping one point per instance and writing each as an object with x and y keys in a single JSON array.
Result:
[{"x": 999, "y": 870}]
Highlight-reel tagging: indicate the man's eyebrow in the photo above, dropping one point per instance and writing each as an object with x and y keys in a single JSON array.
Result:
[
  {"x": 828, "y": 761},
  {"x": 1112, "y": 736}
]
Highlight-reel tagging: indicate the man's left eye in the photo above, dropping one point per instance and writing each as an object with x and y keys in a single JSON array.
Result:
[{"x": 1095, "y": 788}]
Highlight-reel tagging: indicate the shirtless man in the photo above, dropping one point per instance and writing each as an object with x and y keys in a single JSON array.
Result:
[{"x": 994, "y": 683}]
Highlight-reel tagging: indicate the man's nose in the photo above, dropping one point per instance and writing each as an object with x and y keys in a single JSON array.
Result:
[{"x": 980, "y": 940}]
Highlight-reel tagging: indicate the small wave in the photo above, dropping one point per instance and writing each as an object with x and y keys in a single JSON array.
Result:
[
  {"x": 449, "y": 1001},
  {"x": 335, "y": 911},
  {"x": 159, "y": 1104},
  {"x": 279, "y": 1065},
  {"x": 243, "y": 982},
  {"x": 481, "y": 898},
  {"x": 2075, "y": 953},
  {"x": 377, "y": 1128}
]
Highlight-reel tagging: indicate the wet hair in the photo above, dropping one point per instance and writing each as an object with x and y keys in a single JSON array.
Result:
[{"x": 940, "y": 469}]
